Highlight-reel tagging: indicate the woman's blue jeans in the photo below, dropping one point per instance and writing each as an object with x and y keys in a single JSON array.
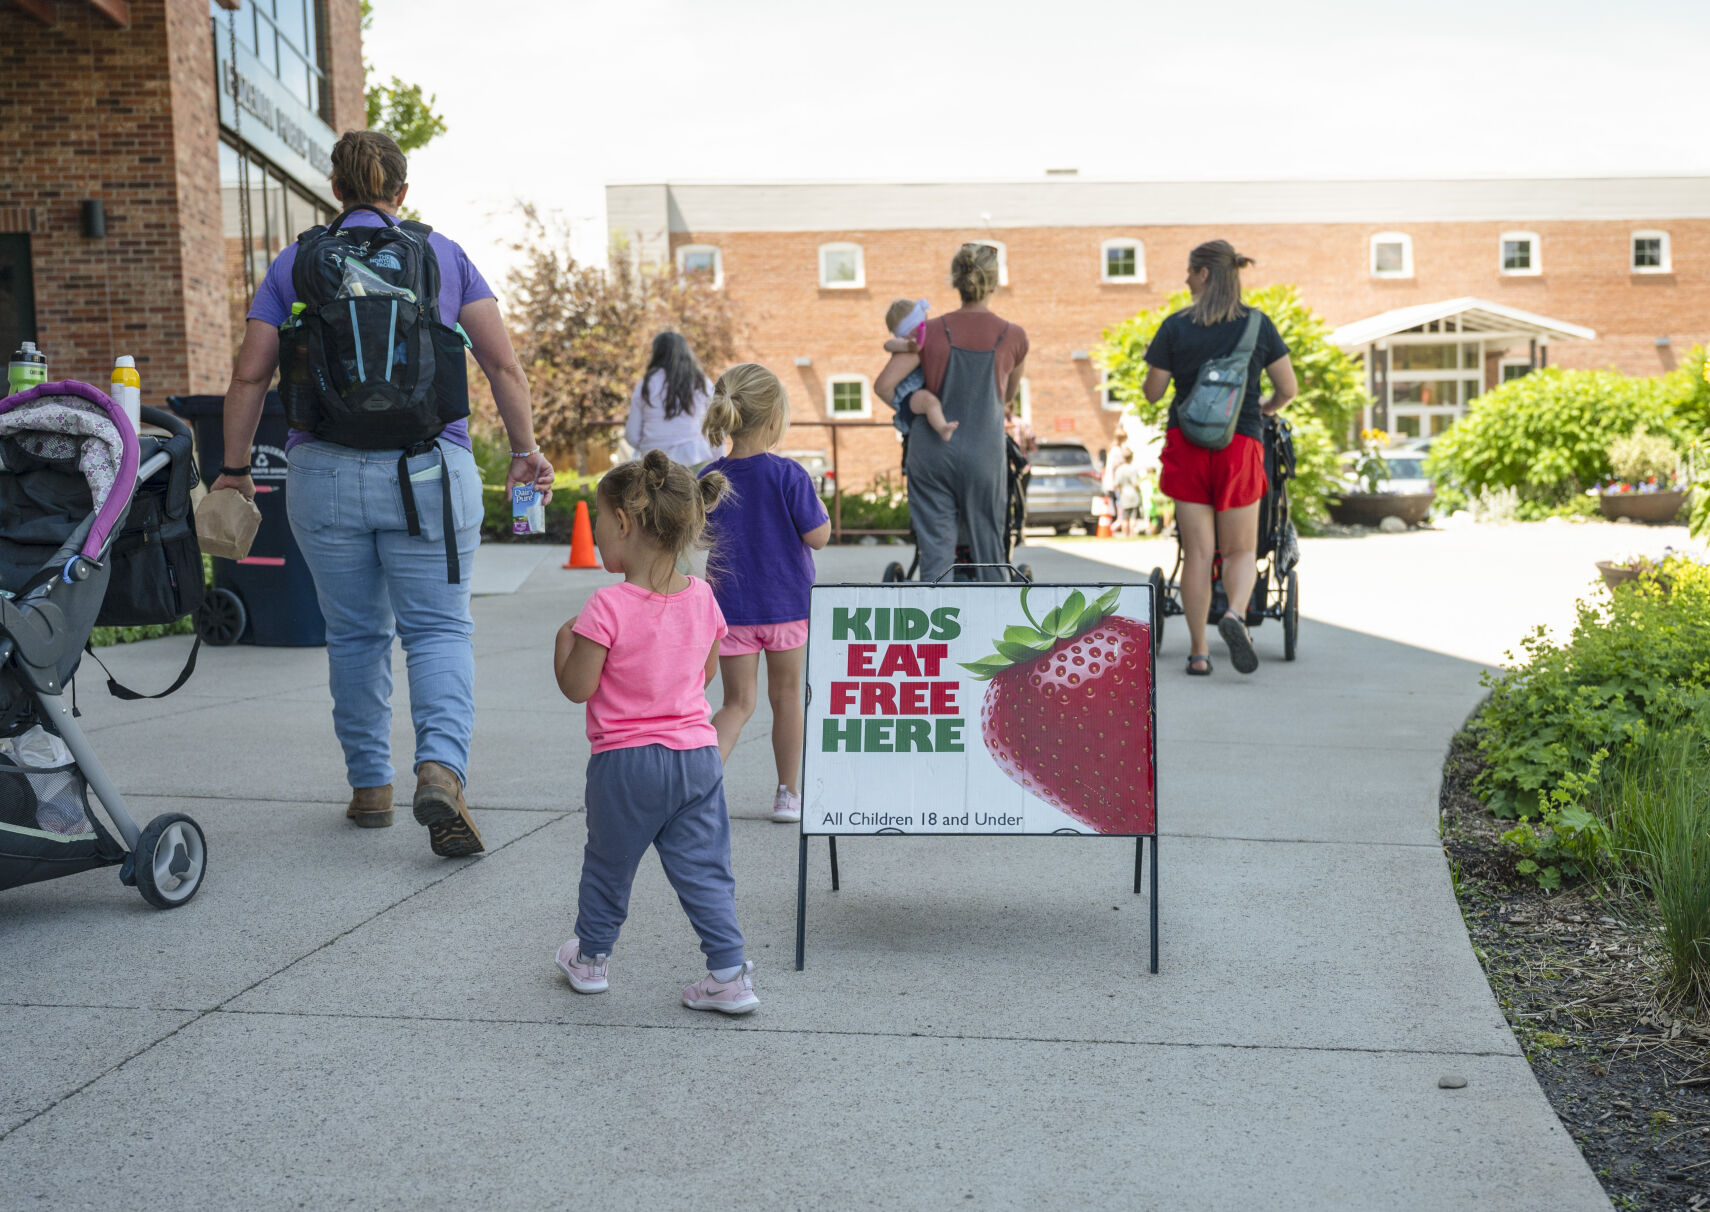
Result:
[{"x": 374, "y": 581}]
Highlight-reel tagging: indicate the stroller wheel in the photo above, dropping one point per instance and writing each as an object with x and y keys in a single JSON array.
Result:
[
  {"x": 1291, "y": 615},
  {"x": 170, "y": 860},
  {"x": 1156, "y": 580},
  {"x": 221, "y": 618},
  {"x": 895, "y": 572}
]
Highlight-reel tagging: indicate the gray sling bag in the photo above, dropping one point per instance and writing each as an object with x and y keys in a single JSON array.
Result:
[{"x": 1208, "y": 416}]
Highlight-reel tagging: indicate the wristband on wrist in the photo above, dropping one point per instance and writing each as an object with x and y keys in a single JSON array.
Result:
[
  {"x": 523, "y": 454},
  {"x": 235, "y": 471}
]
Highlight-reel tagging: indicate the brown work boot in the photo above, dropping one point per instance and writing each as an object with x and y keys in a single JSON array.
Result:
[
  {"x": 439, "y": 805},
  {"x": 371, "y": 807}
]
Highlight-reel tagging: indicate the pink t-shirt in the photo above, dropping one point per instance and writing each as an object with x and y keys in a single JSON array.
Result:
[{"x": 653, "y": 687}]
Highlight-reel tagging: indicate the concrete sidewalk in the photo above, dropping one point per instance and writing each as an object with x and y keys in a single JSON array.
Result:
[{"x": 341, "y": 1017}]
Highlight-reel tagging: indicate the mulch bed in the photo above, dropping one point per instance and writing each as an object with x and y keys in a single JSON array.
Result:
[{"x": 1577, "y": 974}]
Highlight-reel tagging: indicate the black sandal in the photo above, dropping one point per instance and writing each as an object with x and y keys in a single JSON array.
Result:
[
  {"x": 1241, "y": 652},
  {"x": 1199, "y": 658}
]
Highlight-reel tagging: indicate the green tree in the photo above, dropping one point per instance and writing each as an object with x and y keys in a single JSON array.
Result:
[
  {"x": 397, "y": 108},
  {"x": 1331, "y": 392},
  {"x": 583, "y": 334}
]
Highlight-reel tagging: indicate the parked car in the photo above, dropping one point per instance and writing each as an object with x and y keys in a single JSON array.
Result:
[
  {"x": 1063, "y": 487},
  {"x": 1407, "y": 470},
  {"x": 816, "y": 464}
]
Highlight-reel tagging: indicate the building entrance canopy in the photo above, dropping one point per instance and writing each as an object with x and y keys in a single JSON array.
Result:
[{"x": 1426, "y": 363}]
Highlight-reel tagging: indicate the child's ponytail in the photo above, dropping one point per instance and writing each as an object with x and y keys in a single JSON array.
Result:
[
  {"x": 663, "y": 499},
  {"x": 747, "y": 398}
]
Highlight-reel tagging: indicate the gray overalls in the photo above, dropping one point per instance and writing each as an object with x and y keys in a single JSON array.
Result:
[{"x": 960, "y": 488}]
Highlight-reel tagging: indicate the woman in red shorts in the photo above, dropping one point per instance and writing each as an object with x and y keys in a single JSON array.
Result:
[{"x": 1217, "y": 492}]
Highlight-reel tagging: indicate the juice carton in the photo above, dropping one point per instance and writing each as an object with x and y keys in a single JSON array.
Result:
[{"x": 528, "y": 510}]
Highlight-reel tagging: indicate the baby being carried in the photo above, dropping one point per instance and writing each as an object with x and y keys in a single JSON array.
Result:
[{"x": 906, "y": 320}]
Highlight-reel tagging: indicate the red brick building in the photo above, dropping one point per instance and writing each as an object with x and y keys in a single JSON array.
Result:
[
  {"x": 1443, "y": 288},
  {"x": 139, "y": 200}
]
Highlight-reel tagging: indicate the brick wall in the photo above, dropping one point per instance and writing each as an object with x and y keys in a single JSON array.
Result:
[
  {"x": 129, "y": 116},
  {"x": 1055, "y": 293}
]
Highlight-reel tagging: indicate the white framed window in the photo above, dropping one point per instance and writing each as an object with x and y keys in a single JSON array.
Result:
[
  {"x": 1392, "y": 255},
  {"x": 1107, "y": 398},
  {"x": 1649, "y": 254},
  {"x": 1519, "y": 253},
  {"x": 1515, "y": 368},
  {"x": 702, "y": 259},
  {"x": 1024, "y": 402},
  {"x": 842, "y": 267},
  {"x": 849, "y": 397},
  {"x": 1122, "y": 260}
]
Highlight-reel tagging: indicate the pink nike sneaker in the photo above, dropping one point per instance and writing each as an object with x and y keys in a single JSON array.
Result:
[
  {"x": 587, "y": 973},
  {"x": 727, "y": 997}
]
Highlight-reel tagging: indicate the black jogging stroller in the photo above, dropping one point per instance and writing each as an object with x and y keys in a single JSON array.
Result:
[
  {"x": 1015, "y": 515},
  {"x": 71, "y": 466},
  {"x": 1276, "y": 592}
]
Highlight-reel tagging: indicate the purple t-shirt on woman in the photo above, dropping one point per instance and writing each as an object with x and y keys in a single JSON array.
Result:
[
  {"x": 759, "y": 568},
  {"x": 459, "y": 283}
]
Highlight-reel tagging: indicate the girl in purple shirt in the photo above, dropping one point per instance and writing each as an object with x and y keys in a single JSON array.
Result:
[{"x": 761, "y": 567}]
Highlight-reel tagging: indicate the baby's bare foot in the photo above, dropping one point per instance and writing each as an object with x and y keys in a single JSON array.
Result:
[{"x": 948, "y": 428}]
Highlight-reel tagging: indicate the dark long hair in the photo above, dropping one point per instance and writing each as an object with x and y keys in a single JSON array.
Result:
[{"x": 684, "y": 378}]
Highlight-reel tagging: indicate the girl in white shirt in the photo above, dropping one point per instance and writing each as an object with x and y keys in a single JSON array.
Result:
[{"x": 669, "y": 404}]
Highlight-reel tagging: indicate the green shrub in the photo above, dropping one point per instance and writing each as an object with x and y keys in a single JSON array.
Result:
[
  {"x": 104, "y": 637},
  {"x": 1634, "y": 658},
  {"x": 1548, "y": 434},
  {"x": 884, "y": 506},
  {"x": 1642, "y": 457}
]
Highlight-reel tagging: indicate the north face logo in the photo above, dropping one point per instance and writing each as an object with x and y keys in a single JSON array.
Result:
[{"x": 385, "y": 260}]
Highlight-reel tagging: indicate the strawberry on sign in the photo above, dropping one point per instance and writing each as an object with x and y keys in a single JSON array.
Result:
[{"x": 980, "y": 708}]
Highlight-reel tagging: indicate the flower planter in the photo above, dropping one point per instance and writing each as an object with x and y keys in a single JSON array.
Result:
[
  {"x": 1651, "y": 508},
  {"x": 1370, "y": 508},
  {"x": 1619, "y": 574}
]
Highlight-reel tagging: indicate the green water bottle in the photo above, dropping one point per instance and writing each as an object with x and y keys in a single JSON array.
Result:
[{"x": 27, "y": 368}]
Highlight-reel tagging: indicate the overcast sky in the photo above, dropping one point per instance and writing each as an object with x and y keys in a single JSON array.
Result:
[{"x": 549, "y": 100}]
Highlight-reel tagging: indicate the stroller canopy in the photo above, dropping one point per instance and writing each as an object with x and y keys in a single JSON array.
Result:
[{"x": 68, "y": 462}]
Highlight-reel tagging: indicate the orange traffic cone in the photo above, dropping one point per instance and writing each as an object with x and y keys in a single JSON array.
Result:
[
  {"x": 1104, "y": 525},
  {"x": 582, "y": 541}
]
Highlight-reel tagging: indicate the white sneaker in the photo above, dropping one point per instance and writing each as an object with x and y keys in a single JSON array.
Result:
[
  {"x": 786, "y": 808},
  {"x": 587, "y": 974},
  {"x": 735, "y": 996}
]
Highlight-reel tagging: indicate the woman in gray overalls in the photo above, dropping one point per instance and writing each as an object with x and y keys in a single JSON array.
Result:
[{"x": 972, "y": 359}]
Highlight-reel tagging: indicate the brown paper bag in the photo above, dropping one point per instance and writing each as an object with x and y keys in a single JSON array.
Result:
[{"x": 226, "y": 523}]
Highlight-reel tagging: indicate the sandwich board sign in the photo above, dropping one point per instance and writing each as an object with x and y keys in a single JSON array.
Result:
[{"x": 980, "y": 708}]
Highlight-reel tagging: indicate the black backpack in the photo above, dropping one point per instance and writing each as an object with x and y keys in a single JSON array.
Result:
[{"x": 365, "y": 359}]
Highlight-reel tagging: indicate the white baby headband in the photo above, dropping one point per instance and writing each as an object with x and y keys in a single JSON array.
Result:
[{"x": 914, "y": 320}]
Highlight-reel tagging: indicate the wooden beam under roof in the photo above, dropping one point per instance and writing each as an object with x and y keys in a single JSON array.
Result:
[
  {"x": 118, "y": 12},
  {"x": 42, "y": 10}
]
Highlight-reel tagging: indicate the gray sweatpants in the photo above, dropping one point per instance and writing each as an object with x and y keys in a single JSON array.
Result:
[{"x": 672, "y": 799}]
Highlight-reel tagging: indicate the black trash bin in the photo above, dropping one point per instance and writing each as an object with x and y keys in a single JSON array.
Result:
[{"x": 268, "y": 597}]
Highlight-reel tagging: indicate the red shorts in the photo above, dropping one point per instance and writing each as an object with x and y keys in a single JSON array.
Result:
[{"x": 1223, "y": 479}]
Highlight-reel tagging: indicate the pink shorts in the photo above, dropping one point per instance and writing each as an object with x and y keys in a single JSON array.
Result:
[{"x": 772, "y": 637}]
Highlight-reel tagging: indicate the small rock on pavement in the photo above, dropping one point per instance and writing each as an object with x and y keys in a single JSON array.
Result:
[
  {"x": 1392, "y": 525},
  {"x": 1451, "y": 1081}
]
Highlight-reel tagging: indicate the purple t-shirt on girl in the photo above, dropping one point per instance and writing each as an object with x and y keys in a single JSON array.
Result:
[
  {"x": 759, "y": 567},
  {"x": 459, "y": 283}
]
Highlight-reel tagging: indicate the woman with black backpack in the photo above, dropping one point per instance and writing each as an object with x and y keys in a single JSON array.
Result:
[
  {"x": 1217, "y": 487},
  {"x": 365, "y": 319}
]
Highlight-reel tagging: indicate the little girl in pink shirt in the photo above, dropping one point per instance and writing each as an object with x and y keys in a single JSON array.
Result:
[{"x": 640, "y": 655}]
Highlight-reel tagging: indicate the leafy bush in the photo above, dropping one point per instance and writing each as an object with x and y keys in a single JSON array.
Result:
[
  {"x": 1331, "y": 391},
  {"x": 104, "y": 637},
  {"x": 1641, "y": 457},
  {"x": 1549, "y": 434},
  {"x": 1633, "y": 659},
  {"x": 881, "y": 507}
]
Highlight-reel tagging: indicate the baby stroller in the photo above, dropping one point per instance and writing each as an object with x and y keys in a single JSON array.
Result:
[
  {"x": 1276, "y": 592},
  {"x": 70, "y": 462},
  {"x": 1015, "y": 514}
]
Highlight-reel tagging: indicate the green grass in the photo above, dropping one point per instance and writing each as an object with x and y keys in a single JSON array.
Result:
[{"x": 1659, "y": 815}]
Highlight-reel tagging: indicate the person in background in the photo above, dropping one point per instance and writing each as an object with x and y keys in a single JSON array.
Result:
[
  {"x": 373, "y": 578},
  {"x": 640, "y": 656},
  {"x": 761, "y": 568},
  {"x": 1217, "y": 492},
  {"x": 668, "y": 406}
]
